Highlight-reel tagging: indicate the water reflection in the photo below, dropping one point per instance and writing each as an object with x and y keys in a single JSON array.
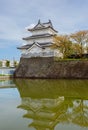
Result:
[
  {"x": 6, "y": 83},
  {"x": 52, "y": 102}
]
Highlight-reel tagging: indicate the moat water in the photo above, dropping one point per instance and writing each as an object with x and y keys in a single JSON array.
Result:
[{"x": 43, "y": 104}]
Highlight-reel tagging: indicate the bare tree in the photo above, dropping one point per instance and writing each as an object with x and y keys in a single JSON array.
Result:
[{"x": 80, "y": 37}]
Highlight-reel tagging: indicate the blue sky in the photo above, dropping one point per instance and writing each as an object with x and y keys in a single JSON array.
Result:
[{"x": 67, "y": 17}]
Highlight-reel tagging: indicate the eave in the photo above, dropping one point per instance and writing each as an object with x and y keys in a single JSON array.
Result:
[
  {"x": 40, "y": 28},
  {"x": 41, "y": 45},
  {"x": 38, "y": 36}
]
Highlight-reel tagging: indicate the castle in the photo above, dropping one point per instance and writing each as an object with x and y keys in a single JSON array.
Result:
[{"x": 40, "y": 42}]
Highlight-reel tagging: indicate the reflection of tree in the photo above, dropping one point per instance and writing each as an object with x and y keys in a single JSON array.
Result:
[
  {"x": 80, "y": 114},
  {"x": 49, "y": 104},
  {"x": 64, "y": 110}
]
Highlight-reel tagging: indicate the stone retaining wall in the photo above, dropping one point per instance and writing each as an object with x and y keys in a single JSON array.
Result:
[{"x": 49, "y": 68}]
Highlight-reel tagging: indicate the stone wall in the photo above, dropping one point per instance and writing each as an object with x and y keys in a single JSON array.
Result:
[{"x": 49, "y": 68}]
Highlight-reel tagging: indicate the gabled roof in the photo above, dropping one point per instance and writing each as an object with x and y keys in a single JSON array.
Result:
[
  {"x": 48, "y": 24},
  {"x": 40, "y": 26},
  {"x": 38, "y": 36},
  {"x": 41, "y": 45}
]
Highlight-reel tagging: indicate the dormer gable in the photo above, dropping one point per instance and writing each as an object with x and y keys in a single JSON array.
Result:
[
  {"x": 35, "y": 46},
  {"x": 41, "y": 26},
  {"x": 48, "y": 24}
]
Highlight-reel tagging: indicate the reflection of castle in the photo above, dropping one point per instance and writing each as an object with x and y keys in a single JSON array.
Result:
[
  {"x": 47, "y": 113},
  {"x": 49, "y": 109},
  {"x": 44, "y": 112}
]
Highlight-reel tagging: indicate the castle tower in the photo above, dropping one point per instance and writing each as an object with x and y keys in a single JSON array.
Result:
[{"x": 40, "y": 42}]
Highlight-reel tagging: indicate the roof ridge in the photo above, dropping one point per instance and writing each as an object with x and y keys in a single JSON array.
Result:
[{"x": 43, "y": 26}]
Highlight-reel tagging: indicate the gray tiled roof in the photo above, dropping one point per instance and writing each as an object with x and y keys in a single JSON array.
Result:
[
  {"x": 42, "y": 45},
  {"x": 43, "y": 26},
  {"x": 38, "y": 36},
  {"x": 24, "y": 47},
  {"x": 48, "y": 24}
]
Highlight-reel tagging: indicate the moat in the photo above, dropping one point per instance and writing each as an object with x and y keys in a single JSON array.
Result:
[{"x": 43, "y": 104}]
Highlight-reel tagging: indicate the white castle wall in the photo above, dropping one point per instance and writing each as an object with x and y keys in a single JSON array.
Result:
[
  {"x": 36, "y": 51},
  {"x": 44, "y": 31},
  {"x": 40, "y": 40}
]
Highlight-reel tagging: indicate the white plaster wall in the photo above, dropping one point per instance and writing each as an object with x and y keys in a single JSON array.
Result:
[
  {"x": 39, "y": 32},
  {"x": 40, "y": 40},
  {"x": 47, "y": 50},
  {"x": 43, "y": 31},
  {"x": 52, "y": 31},
  {"x": 34, "y": 49}
]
